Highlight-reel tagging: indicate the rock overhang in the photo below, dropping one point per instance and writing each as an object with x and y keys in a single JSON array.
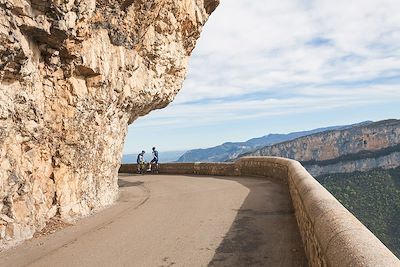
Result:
[{"x": 73, "y": 75}]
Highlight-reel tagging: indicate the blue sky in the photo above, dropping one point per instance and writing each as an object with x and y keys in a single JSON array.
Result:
[{"x": 281, "y": 66}]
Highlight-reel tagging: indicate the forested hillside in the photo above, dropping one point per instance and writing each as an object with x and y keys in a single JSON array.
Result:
[{"x": 374, "y": 198}]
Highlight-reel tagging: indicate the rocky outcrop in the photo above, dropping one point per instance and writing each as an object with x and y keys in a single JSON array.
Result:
[
  {"x": 360, "y": 148},
  {"x": 389, "y": 161},
  {"x": 73, "y": 75},
  {"x": 334, "y": 144}
]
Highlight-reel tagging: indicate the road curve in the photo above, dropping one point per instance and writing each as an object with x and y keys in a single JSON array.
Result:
[{"x": 177, "y": 221}]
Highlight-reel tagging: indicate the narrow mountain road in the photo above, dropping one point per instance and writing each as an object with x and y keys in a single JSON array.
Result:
[{"x": 177, "y": 221}]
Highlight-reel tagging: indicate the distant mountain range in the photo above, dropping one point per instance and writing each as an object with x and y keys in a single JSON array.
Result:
[
  {"x": 232, "y": 150},
  {"x": 335, "y": 143}
]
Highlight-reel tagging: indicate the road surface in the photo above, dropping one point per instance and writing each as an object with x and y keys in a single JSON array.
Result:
[{"x": 164, "y": 220}]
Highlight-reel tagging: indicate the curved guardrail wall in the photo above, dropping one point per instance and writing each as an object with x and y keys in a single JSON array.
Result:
[{"x": 331, "y": 235}]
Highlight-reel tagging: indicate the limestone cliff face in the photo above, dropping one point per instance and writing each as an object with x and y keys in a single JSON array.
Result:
[
  {"x": 334, "y": 144},
  {"x": 73, "y": 75},
  {"x": 389, "y": 161}
]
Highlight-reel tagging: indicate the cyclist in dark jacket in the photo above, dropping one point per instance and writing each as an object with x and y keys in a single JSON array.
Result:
[
  {"x": 154, "y": 160},
  {"x": 155, "y": 156}
]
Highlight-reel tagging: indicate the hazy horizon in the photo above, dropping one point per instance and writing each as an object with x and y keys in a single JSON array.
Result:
[{"x": 244, "y": 140}]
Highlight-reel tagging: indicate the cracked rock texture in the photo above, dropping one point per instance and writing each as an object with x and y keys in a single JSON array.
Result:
[{"x": 73, "y": 75}]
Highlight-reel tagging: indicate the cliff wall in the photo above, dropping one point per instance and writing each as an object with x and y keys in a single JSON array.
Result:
[
  {"x": 73, "y": 75},
  {"x": 389, "y": 161},
  {"x": 333, "y": 144}
]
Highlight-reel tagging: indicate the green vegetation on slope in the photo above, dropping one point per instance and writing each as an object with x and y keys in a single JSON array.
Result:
[{"x": 374, "y": 198}]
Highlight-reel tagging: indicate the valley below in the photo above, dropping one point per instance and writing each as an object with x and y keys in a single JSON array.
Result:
[{"x": 373, "y": 197}]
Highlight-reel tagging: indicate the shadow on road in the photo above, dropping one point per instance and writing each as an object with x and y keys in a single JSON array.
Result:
[
  {"x": 123, "y": 183},
  {"x": 264, "y": 232}
]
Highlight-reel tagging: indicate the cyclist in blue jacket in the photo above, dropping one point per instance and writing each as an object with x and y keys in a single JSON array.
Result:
[{"x": 155, "y": 158}]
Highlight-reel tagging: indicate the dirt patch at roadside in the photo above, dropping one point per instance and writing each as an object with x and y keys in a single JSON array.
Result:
[{"x": 53, "y": 225}]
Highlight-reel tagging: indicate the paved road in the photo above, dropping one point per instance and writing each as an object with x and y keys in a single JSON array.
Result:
[{"x": 177, "y": 221}]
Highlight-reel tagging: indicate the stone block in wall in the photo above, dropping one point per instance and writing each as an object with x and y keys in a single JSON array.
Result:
[
  {"x": 221, "y": 169},
  {"x": 260, "y": 166},
  {"x": 176, "y": 168}
]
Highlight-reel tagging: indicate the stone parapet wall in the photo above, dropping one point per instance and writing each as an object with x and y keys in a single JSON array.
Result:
[
  {"x": 260, "y": 167},
  {"x": 331, "y": 235},
  {"x": 220, "y": 169}
]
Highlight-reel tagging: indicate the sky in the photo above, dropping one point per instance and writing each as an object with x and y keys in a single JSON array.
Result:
[{"x": 281, "y": 66}]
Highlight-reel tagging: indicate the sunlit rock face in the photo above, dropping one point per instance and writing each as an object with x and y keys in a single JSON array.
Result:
[{"x": 73, "y": 75}]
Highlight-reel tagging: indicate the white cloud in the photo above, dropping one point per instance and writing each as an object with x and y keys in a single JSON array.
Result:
[
  {"x": 264, "y": 58},
  {"x": 187, "y": 115},
  {"x": 258, "y": 46}
]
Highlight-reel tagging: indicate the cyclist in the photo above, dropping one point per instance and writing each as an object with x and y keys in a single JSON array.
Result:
[
  {"x": 140, "y": 162},
  {"x": 155, "y": 159}
]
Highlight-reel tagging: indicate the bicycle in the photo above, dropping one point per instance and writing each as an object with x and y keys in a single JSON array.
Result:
[
  {"x": 154, "y": 168},
  {"x": 141, "y": 168}
]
